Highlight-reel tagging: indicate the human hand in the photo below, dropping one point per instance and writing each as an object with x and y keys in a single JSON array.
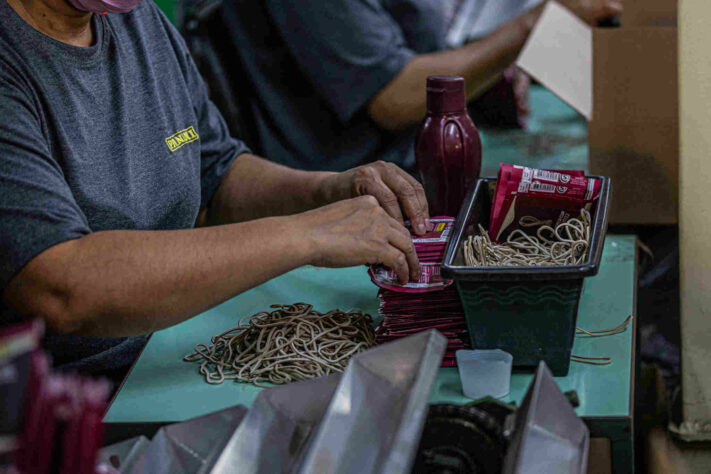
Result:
[
  {"x": 389, "y": 185},
  {"x": 591, "y": 11},
  {"x": 357, "y": 231},
  {"x": 521, "y": 84}
]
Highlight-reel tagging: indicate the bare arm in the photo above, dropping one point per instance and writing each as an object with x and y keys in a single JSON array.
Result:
[
  {"x": 126, "y": 282},
  {"x": 402, "y": 102},
  {"x": 119, "y": 283},
  {"x": 254, "y": 188}
]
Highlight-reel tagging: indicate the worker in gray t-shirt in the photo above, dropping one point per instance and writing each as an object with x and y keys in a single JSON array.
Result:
[
  {"x": 126, "y": 207},
  {"x": 339, "y": 83}
]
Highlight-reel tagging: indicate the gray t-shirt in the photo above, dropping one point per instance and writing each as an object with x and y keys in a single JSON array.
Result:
[
  {"x": 314, "y": 65},
  {"x": 119, "y": 135}
]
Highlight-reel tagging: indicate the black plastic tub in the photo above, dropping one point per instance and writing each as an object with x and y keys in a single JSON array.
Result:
[{"x": 530, "y": 312}]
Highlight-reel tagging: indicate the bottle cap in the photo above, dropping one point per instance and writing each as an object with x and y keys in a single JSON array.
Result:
[{"x": 446, "y": 94}]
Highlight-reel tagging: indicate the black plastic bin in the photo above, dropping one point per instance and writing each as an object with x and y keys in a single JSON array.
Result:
[{"x": 530, "y": 312}]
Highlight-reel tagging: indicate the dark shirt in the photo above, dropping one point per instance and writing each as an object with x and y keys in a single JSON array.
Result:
[
  {"x": 313, "y": 67},
  {"x": 119, "y": 135}
]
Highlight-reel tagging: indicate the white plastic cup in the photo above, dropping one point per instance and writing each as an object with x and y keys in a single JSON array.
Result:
[{"x": 484, "y": 373}]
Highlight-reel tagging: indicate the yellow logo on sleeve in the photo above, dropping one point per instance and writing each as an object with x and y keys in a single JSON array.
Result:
[{"x": 181, "y": 138}]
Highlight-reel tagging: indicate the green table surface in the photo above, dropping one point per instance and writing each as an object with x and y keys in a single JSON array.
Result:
[
  {"x": 556, "y": 137},
  {"x": 162, "y": 387}
]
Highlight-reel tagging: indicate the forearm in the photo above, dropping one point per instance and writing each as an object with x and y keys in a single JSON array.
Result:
[
  {"x": 254, "y": 188},
  {"x": 402, "y": 102},
  {"x": 120, "y": 283}
]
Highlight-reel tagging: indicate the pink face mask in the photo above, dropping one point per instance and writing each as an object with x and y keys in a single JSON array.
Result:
[{"x": 104, "y": 6}]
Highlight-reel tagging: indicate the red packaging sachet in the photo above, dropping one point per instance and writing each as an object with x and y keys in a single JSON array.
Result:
[
  {"x": 19, "y": 346},
  {"x": 429, "y": 303},
  {"x": 53, "y": 421},
  {"x": 527, "y": 197},
  {"x": 429, "y": 279},
  {"x": 430, "y": 251}
]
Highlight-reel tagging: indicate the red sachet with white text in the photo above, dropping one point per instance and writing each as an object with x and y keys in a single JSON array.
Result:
[
  {"x": 527, "y": 197},
  {"x": 431, "y": 302},
  {"x": 430, "y": 252}
]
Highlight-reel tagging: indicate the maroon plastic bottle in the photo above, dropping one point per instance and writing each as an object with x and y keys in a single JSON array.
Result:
[{"x": 447, "y": 146}]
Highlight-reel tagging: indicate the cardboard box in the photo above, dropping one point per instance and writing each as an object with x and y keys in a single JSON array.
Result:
[
  {"x": 600, "y": 456},
  {"x": 649, "y": 13},
  {"x": 624, "y": 81}
]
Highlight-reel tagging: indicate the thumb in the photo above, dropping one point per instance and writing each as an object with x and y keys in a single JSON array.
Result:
[{"x": 613, "y": 8}]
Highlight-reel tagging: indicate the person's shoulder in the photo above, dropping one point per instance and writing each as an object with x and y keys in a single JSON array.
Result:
[
  {"x": 147, "y": 20},
  {"x": 149, "y": 9},
  {"x": 11, "y": 40},
  {"x": 146, "y": 13},
  {"x": 18, "y": 98},
  {"x": 13, "y": 77}
]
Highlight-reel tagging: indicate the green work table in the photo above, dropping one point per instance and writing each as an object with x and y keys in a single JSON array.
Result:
[
  {"x": 162, "y": 388},
  {"x": 556, "y": 137}
]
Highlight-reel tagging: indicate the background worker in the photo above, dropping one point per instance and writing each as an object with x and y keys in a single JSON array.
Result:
[{"x": 336, "y": 84}]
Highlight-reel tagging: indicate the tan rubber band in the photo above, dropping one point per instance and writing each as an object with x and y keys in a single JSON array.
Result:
[
  {"x": 600, "y": 333},
  {"x": 566, "y": 244},
  {"x": 292, "y": 343}
]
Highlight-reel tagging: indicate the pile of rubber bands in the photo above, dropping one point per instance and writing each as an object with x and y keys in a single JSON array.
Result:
[
  {"x": 566, "y": 244},
  {"x": 291, "y": 343}
]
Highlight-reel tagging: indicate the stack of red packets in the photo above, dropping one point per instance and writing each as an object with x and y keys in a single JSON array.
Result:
[
  {"x": 431, "y": 302},
  {"x": 54, "y": 421}
]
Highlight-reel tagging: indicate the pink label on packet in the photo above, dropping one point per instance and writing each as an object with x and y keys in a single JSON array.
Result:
[{"x": 430, "y": 279}]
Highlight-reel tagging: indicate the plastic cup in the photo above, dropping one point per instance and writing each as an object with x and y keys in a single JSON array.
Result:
[{"x": 484, "y": 373}]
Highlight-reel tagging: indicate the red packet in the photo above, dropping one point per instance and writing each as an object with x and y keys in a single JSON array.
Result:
[
  {"x": 19, "y": 346},
  {"x": 95, "y": 393},
  {"x": 431, "y": 247},
  {"x": 431, "y": 302},
  {"x": 438, "y": 236},
  {"x": 430, "y": 279},
  {"x": 526, "y": 197}
]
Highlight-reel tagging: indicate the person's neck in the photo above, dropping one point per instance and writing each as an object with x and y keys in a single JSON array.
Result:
[{"x": 56, "y": 19}]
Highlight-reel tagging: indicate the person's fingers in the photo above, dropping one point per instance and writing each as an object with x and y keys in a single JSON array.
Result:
[
  {"x": 403, "y": 242},
  {"x": 367, "y": 182},
  {"x": 397, "y": 226},
  {"x": 522, "y": 107},
  {"x": 521, "y": 85},
  {"x": 421, "y": 196},
  {"x": 394, "y": 178},
  {"x": 613, "y": 8},
  {"x": 394, "y": 258},
  {"x": 387, "y": 198}
]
